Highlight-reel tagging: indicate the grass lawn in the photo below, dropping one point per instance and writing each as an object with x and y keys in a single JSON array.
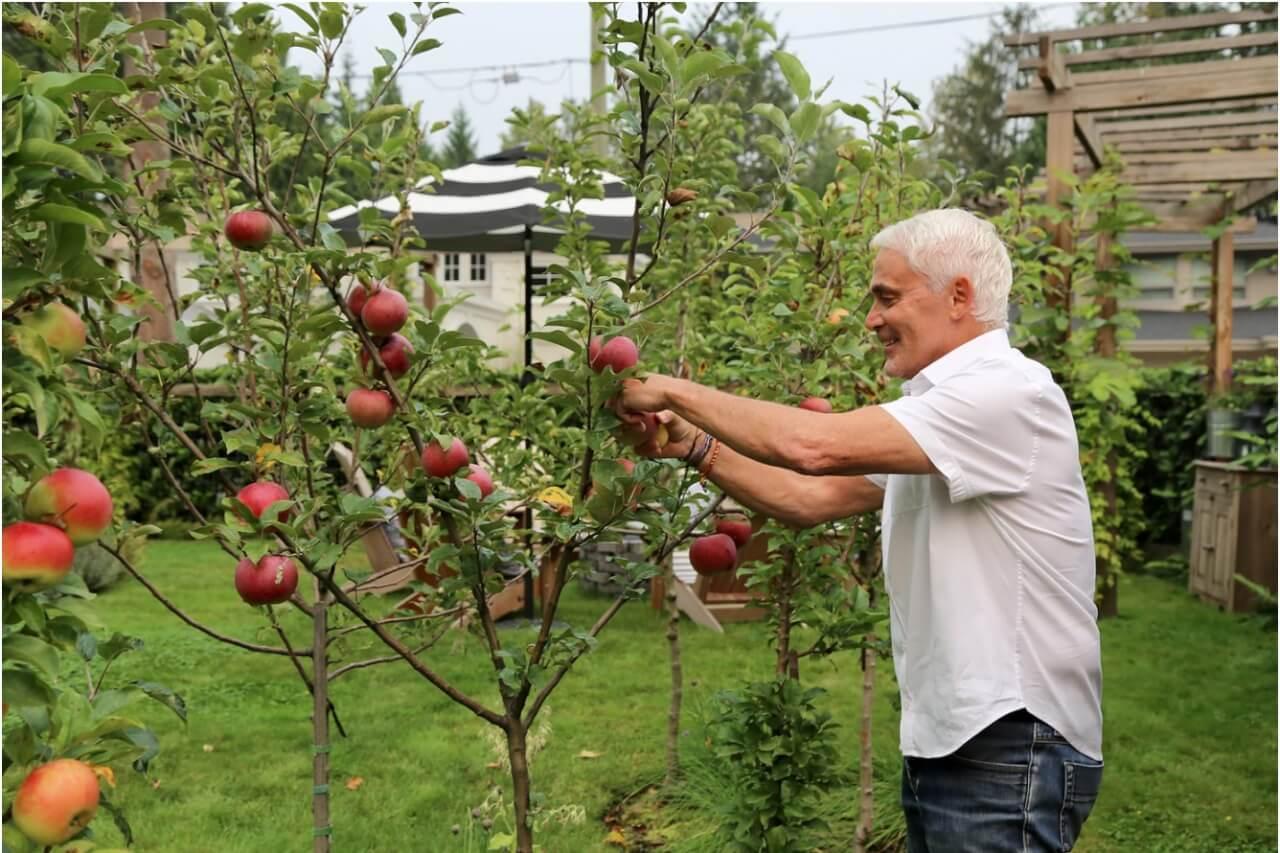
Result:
[{"x": 1189, "y": 700}]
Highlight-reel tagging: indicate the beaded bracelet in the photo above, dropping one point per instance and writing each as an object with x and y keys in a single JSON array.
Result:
[
  {"x": 715, "y": 452},
  {"x": 699, "y": 448}
]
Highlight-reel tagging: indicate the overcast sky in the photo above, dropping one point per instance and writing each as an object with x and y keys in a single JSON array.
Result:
[{"x": 499, "y": 34}]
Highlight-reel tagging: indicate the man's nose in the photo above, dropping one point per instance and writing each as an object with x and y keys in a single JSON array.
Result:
[{"x": 874, "y": 320}]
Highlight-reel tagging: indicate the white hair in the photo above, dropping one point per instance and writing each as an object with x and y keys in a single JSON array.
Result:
[{"x": 946, "y": 244}]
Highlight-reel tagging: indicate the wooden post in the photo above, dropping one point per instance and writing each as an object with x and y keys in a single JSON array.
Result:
[
  {"x": 1105, "y": 347},
  {"x": 1220, "y": 313},
  {"x": 158, "y": 319},
  {"x": 1059, "y": 165}
]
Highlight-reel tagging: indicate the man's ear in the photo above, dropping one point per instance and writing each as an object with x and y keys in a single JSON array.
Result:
[{"x": 962, "y": 298}]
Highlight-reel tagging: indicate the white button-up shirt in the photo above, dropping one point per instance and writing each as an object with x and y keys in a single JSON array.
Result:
[{"x": 990, "y": 562}]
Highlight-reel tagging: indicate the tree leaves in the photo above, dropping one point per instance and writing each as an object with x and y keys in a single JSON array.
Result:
[{"x": 794, "y": 71}]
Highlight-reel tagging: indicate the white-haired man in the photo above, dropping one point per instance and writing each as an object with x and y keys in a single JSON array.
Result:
[{"x": 987, "y": 537}]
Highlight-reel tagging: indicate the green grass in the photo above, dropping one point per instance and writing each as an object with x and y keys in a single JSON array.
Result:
[{"x": 1189, "y": 699}]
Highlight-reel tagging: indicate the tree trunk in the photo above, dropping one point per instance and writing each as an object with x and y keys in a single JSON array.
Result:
[
  {"x": 866, "y": 778},
  {"x": 517, "y": 752},
  {"x": 320, "y": 722},
  {"x": 677, "y": 680},
  {"x": 788, "y": 664}
]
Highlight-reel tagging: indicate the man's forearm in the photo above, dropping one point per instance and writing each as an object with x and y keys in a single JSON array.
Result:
[{"x": 769, "y": 433}]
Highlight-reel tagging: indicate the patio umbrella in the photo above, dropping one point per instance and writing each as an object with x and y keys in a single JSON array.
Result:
[{"x": 494, "y": 204}]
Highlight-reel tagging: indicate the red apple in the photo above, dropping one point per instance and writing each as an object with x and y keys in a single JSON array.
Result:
[
  {"x": 618, "y": 353},
  {"x": 649, "y": 429},
  {"x": 628, "y": 466},
  {"x": 481, "y": 478},
  {"x": 73, "y": 499},
  {"x": 385, "y": 312},
  {"x": 270, "y": 581},
  {"x": 60, "y": 327},
  {"x": 737, "y": 529},
  {"x": 816, "y": 404},
  {"x": 262, "y": 494},
  {"x": 35, "y": 555},
  {"x": 56, "y": 801},
  {"x": 438, "y": 462},
  {"x": 593, "y": 350},
  {"x": 357, "y": 297},
  {"x": 713, "y": 554},
  {"x": 394, "y": 354},
  {"x": 248, "y": 229},
  {"x": 369, "y": 408}
]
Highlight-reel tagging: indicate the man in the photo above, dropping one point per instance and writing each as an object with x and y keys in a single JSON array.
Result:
[{"x": 987, "y": 538}]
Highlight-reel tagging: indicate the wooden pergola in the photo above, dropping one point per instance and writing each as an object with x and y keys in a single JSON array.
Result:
[{"x": 1194, "y": 121}]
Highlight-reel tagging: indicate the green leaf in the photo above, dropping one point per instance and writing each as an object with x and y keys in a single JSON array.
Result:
[
  {"x": 54, "y": 84},
  {"x": 248, "y": 12},
  {"x": 165, "y": 697},
  {"x": 22, "y": 689},
  {"x": 793, "y": 70},
  {"x": 468, "y": 489},
  {"x": 118, "y": 645},
  {"x": 331, "y": 23},
  {"x": 700, "y": 63},
  {"x": 20, "y": 443},
  {"x": 30, "y": 612},
  {"x": 34, "y": 652},
  {"x": 307, "y": 17},
  {"x": 208, "y": 466},
  {"x": 42, "y": 152},
  {"x": 424, "y": 46},
  {"x": 12, "y": 76},
  {"x": 54, "y": 211},
  {"x": 87, "y": 645},
  {"x": 382, "y": 113},
  {"x": 772, "y": 148},
  {"x": 910, "y": 98},
  {"x": 559, "y": 338},
  {"x": 805, "y": 120},
  {"x": 331, "y": 239},
  {"x": 775, "y": 115},
  {"x": 397, "y": 21},
  {"x": 858, "y": 111}
]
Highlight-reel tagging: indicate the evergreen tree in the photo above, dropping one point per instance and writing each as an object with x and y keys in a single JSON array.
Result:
[{"x": 460, "y": 144}]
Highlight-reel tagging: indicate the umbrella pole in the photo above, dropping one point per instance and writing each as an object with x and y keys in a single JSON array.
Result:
[{"x": 525, "y": 378}]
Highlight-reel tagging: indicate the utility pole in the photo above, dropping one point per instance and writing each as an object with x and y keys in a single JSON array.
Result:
[{"x": 599, "y": 104}]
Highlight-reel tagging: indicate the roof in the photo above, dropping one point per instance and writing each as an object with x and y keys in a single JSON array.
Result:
[{"x": 1261, "y": 239}]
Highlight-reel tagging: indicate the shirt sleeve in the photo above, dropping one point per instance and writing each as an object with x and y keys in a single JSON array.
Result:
[
  {"x": 878, "y": 480},
  {"x": 980, "y": 431}
]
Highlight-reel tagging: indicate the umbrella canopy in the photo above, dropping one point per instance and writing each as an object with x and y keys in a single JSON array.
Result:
[{"x": 485, "y": 205}]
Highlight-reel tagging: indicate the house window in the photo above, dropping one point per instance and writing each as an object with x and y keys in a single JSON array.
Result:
[
  {"x": 452, "y": 267},
  {"x": 479, "y": 268},
  {"x": 1202, "y": 280},
  {"x": 1156, "y": 279}
]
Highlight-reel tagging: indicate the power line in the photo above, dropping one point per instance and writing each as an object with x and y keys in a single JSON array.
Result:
[{"x": 903, "y": 25}]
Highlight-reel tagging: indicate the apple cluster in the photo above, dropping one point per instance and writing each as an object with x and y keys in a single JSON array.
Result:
[
  {"x": 66, "y": 508},
  {"x": 718, "y": 552},
  {"x": 272, "y": 579},
  {"x": 383, "y": 311}
]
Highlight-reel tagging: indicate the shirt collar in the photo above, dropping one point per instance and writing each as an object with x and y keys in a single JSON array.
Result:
[{"x": 988, "y": 343}]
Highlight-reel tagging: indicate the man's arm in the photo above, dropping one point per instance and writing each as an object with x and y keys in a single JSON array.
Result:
[
  {"x": 794, "y": 499},
  {"x": 864, "y": 441}
]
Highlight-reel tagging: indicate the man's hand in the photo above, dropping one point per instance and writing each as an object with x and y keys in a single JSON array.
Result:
[
  {"x": 644, "y": 395},
  {"x": 635, "y": 431}
]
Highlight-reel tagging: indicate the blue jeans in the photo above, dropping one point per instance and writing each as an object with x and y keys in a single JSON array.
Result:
[{"x": 1017, "y": 787}]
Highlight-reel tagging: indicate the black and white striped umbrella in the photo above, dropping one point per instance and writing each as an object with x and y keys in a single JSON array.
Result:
[{"x": 487, "y": 204}]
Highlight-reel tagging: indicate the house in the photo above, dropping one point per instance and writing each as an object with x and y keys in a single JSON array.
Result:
[{"x": 1172, "y": 273}]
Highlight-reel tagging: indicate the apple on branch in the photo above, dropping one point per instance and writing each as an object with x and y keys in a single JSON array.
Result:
[
  {"x": 262, "y": 494},
  {"x": 59, "y": 326},
  {"x": 618, "y": 353},
  {"x": 56, "y": 801},
  {"x": 36, "y": 556},
  {"x": 249, "y": 230},
  {"x": 369, "y": 408},
  {"x": 73, "y": 499},
  {"x": 714, "y": 554},
  {"x": 438, "y": 462},
  {"x": 271, "y": 580},
  {"x": 385, "y": 312},
  {"x": 394, "y": 353}
]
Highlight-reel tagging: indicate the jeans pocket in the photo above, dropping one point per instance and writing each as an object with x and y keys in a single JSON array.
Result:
[{"x": 1080, "y": 791}]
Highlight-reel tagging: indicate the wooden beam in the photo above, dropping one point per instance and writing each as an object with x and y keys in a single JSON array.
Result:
[
  {"x": 1052, "y": 73},
  {"x": 1258, "y": 117},
  {"x": 1173, "y": 23},
  {"x": 1228, "y": 166},
  {"x": 1253, "y": 193},
  {"x": 1152, "y": 50},
  {"x": 1110, "y": 96},
  {"x": 1226, "y": 142},
  {"x": 1179, "y": 135},
  {"x": 1060, "y": 132},
  {"x": 1087, "y": 133},
  {"x": 1220, "y": 314},
  {"x": 1142, "y": 73},
  {"x": 1201, "y": 156},
  {"x": 1188, "y": 107}
]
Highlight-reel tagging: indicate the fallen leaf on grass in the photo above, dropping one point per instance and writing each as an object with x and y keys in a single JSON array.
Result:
[
  {"x": 494, "y": 765},
  {"x": 354, "y": 783},
  {"x": 616, "y": 838},
  {"x": 586, "y": 753},
  {"x": 208, "y": 747}
]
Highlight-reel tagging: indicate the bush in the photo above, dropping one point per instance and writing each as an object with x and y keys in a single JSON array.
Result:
[{"x": 96, "y": 567}]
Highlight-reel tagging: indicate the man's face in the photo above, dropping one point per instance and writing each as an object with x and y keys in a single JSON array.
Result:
[{"x": 911, "y": 321}]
